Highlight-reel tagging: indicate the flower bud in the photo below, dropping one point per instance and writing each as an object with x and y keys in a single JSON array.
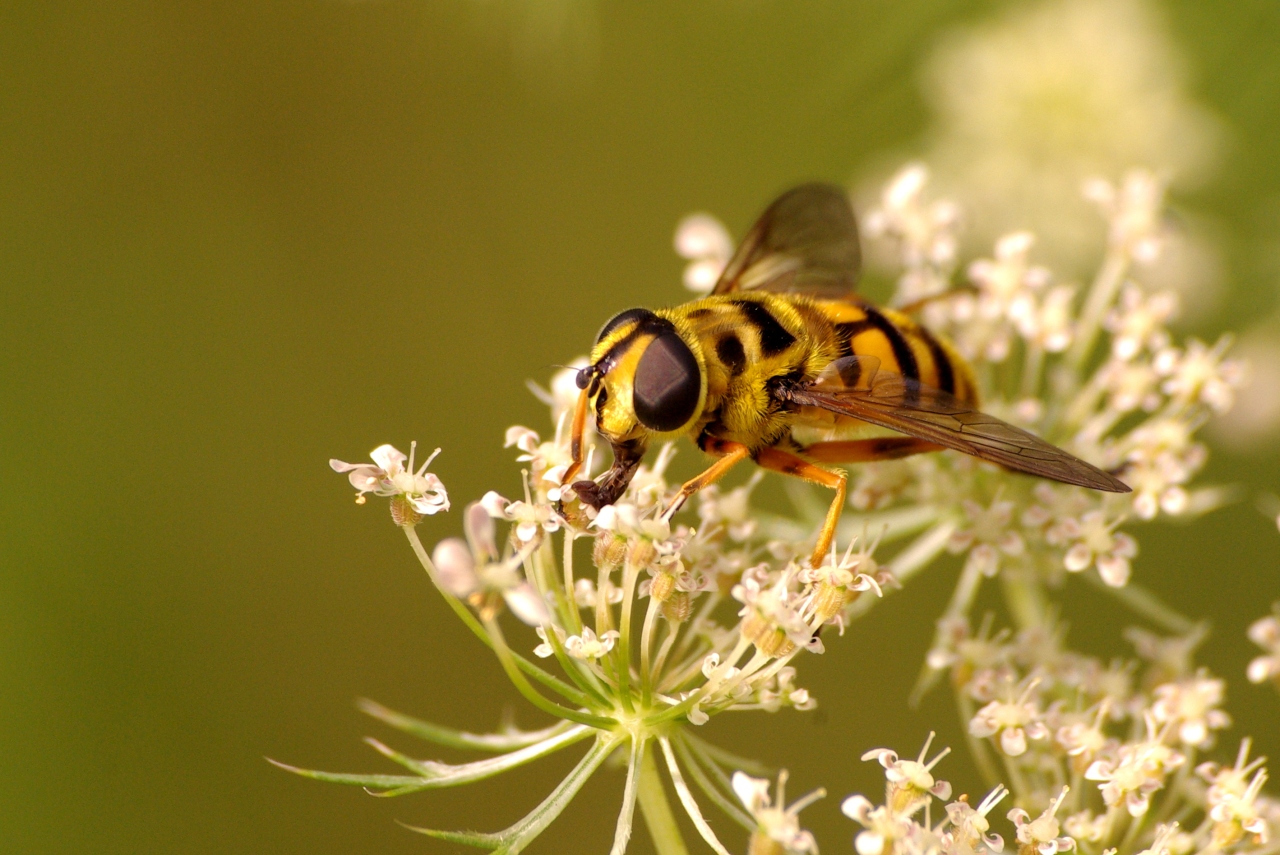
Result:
[
  {"x": 403, "y": 513},
  {"x": 678, "y": 607},
  {"x": 767, "y": 636},
  {"x": 610, "y": 551},
  {"x": 662, "y": 587},
  {"x": 641, "y": 552}
]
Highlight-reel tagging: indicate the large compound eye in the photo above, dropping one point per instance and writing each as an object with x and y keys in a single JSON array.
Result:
[
  {"x": 667, "y": 383},
  {"x": 620, "y": 319}
]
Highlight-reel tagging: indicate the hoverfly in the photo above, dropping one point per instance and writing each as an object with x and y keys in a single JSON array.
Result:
[{"x": 785, "y": 347}]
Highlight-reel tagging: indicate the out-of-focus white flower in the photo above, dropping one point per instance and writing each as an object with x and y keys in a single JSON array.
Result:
[
  {"x": 1265, "y": 632},
  {"x": 1137, "y": 322},
  {"x": 778, "y": 823},
  {"x": 471, "y": 570},
  {"x": 1135, "y": 211},
  {"x": 1191, "y": 705},
  {"x": 1200, "y": 374},
  {"x": 1139, "y": 771},
  {"x": 705, "y": 242},
  {"x": 987, "y": 536},
  {"x": 923, "y": 232},
  {"x": 730, "y": 509},
  {"x": 421, "y": 490},
  {"x": 1015, "y": 720},
  {"x": 1096, "y": 542},
  {"x": 1035, "y": 101},
  {"x": 562, "y": 396}
]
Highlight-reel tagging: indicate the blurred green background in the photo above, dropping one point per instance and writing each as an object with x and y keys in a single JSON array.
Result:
[{"x": 238, "y": 239}]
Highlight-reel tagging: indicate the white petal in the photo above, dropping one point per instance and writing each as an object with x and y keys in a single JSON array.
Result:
[
  {"x": 389, "y": 458},
  {"x": 524, "y": 602},
  {"x": 478, "y": 524},
  {"x": 1260, "y": 669},
  {"x": 752, "y": 792},
  {"x": 1077, "y": 558},
  {"x": 455, "y": 566},
  {"x": 702, "y": 236},
  {"x": 857, "y": 808},
  {"x": 1014, "y": 741},
  {"x": 1114, "y": 570},
  {"x": 496, "y": 505},
  {"x": 869, "y": 843},
  {"x": 367, "y": 478},
  {"x": 431, "y": 502}
]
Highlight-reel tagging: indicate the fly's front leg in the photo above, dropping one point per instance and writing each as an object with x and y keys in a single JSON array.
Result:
[
  {"x": 788, "y": 464},
  {"x": 730, "y": 455}
]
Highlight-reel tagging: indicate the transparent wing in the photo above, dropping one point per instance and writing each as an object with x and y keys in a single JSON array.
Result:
[
  {"x": 855, "y": 386},
  {"x": 806, "y": 242}
]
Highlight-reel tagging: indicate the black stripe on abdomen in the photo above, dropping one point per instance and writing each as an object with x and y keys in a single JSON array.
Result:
[
  {"x": 847, "y": 331},
  {"x": 774, "y": 337},
  {"x": 898, "y": 342},
  {"x": 941, "y": 362}
]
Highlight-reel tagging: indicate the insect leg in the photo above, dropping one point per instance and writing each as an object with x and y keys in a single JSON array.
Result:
[
  {"x": 788, "y": 464},
  {"x": 579, "y": 426},
  {"x": 731, "y": 454},
  {"x": 866, "y": 450}
]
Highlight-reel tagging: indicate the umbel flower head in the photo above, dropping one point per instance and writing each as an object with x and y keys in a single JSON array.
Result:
[{"x": 676, "y": 619}]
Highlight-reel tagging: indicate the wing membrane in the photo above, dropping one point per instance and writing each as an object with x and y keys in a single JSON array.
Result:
[
  {"x": 854, "y": 386},
  {"x": 806, "y": 242}
]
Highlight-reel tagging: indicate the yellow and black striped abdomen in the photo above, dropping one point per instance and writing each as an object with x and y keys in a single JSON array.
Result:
[{"x": 901, "y": 345}]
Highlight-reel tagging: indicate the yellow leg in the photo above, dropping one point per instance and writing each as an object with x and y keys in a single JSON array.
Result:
[
  {"x": 731, "y": 454},
  {"x": 788, "y": 464},
  {"x": 867, "y": 450},
  {"x": 578, "y": 427}
]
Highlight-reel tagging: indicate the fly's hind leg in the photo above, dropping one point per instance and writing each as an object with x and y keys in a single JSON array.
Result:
[
  {"x": 867, "y": 450},
  {"x": 777, "y": 460},
  {"x": 848, "y": 451}
]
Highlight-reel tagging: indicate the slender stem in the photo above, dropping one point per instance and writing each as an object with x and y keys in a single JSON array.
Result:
[
  {"x": 689, "y": 802},
  {"x": 1031, "y": 366},
  {"x": 1101, "y": 295},
  {"x": 622, "y": 653},
  {"x": 622, "y": 834},
  {"x": 660, "y": 662},
  {"x": 646, "y": 652},
  {"x": 531, "y": 694},
  {"x": 562, "y": 688},
  {"x": 573, "y": 618},
  {"x": 1024, "y": 598},
  {"x": 1146, "y": 604},
  {"x": 656, "y": 810}
]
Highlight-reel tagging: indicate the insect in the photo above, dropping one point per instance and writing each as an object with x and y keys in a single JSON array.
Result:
[{"x": 786, "y": 365}]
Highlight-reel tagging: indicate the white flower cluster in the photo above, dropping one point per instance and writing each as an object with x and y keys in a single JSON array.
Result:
[
  {"x": 678, "y": 619},
  {"x": 1093, "y": 369},
  {"x": 1126, "y": 735}
]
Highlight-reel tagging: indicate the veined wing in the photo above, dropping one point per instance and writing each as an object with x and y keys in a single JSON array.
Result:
[
  {"x": 855, "y": 386},
  {"x": 805, "y": 242}
]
